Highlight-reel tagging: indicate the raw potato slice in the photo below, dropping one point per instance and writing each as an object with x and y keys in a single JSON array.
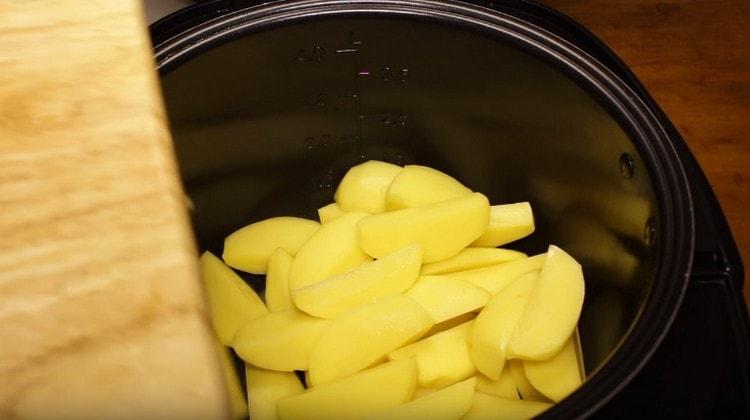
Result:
[
  {"x": 446, "y": 404},
  {"x": 280, "y": 340},
  {"x": 419, "y": 185},
  {"x": 470, "y": 258},
  {"x": 364, "y": 186},
  {"x": 453, "y": 322},
  {"x": 488, "y": 407},
  {"x": 237, "y": 401},
  {"x": 277, "y": 282},
  {"x": 525, "y": 388},
  {"x": 508, "y": 222},
  {"x": 422, "y": 392},
  {"x": 266, "y": 387},
  {"x": 231, "y": 301},
  {"x": 494, "y": 278},
  {"x": 442, "y": 229},
  {"x": 330, "y": 212},
  {"x": 387, "y": 276},
  {"x": 504, "y": 387},
  {"x": 553, "y": 309},
  {"x": 442, "y": 359},
  {"x": 445, "y": 298},
  {"x": 359, "y": 338},
  {"x": 494, "y": 326},
  {"x": 250, "y": 248},
  {"x": 557, "y": 377},
  {"x": 354, "y": 397},
  {"x": 332, "y": 250}
]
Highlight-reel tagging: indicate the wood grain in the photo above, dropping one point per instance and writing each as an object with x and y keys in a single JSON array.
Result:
[
  {"x": 694, "y": 58},
  {"x": 101, "y": 312}
]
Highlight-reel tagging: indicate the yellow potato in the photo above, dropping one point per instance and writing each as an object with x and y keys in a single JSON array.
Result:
[
  {"x": 387, "y": 276},
  {"x": 446, "y": 404},
  {"x": 508, "y": 222},
  {"x": 494, "y": 326},
  {"x": 553, "y": 309},
  {"x": 237, "y": 402},
  {"x": 524, "y": 387},
  {"x": 250, "y": 248},
  {"x": 488, "y": 407},
  {"x": 419, "y": 185},
  {"x": 280, "y": 340},
  {"x": 266, "y": 387},
  {"x": 503, "y": 387},
  {"x": 445, "y": 298},
  {"x": 354, "y": 397},
  {"x": 453, "y": 322},
  {"x": 231, "y": 301},
  {"x": 422, "y": 392},
  {"x": 557, "y": 377},
  {"x": 332, "y": 250},
  {"x": 330, "y": 212},
  {"x": 495, "y": 277},
  {"x": 364, "y": 186},
  {"x": 278, "y": 297},
  {"x": 442, "y": 359},
  {"x": 442, "y": 229},
  {"x": 361, "y": 337},
  {"x": 470, "y": 258}
]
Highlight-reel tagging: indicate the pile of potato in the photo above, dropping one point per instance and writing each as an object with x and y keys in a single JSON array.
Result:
[{"x": 398, "y": 305}]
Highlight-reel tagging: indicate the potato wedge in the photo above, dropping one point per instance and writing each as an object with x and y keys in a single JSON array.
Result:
[
  {"x": 503, "y": 387},
  {"x": 249, "y": 249},
  {"x": 364, "y": 186},
  {"x": 330, "y": 212},
  {"x": 278, "y": 297},
  {"x": 558, "y": 376},
  {"x": 488, "y": 407},
  {"x": 508, "y": 222},
  {"x": 332, "y": 250},
  {"x": 418, "y": 185},
  {"x": 358, "y": 339},
  {"x": 471, "y": 258},
  {"x": 494, "y": 278},
  {"x": 553, "y": 309},
  {"x": 524, "y": 387},
  {"x": 361, "y": 285},
  {"x": 266, "y": 387},
  {"x": 231, "y": 301},
  {"x": 494, "y": 326},
  {"x": 445, "y": 404},
  {"x": 444, "y": 298},
  {"x": 280, "y": 340},
  {"x": 441, "y": 229},
  {"x": 354, "y": 397},
  {"x": 442, "y": 359}
]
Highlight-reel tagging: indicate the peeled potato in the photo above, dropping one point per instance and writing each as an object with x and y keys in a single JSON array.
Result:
[
  {"x": 441, "y": 229},
  {"x": 502, "y": 387},
  {"x": 558, "y": 376},
  {"x": 442, "y": 359},
  {"x": 553, "y": 309},
  {"x": 470, "y": 258},
  {"x": 488, "y": 407},
  {"x": 448, "y": 324},
  {"x": 446, "y": 404},
  {"x": 495, "y": 277},
  {"x": 524, "y": 386},
  {"x": 494, "y": 326},
  {"x": 508, "y": 222},
  {"x": 237, "y": 401},
  {"x": 280, "y": 340},
  {"x": 266, "y": 387},
  {"x": 330, "y": 212},
  {"x": 418, "y": 185},
  {"x": 332, "y": 250},
  {"x": 445, "y": 298},
  {"x": 277, "y": 282},
  {"x": 364, "y": 186},
  {"x": 231, "y": 301},
  {"x": 361, "y": 337},
  {"x": 354, "y": 397},
  {"x": 387, "y": 276},
  {"x": 250, "y": 248}
]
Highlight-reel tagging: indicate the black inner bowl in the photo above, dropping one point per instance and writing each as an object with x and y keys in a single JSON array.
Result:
[{"x": 269, "y": 108}]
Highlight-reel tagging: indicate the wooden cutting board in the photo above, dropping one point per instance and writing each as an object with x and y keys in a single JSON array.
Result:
[{"x": 101, "y": 313}]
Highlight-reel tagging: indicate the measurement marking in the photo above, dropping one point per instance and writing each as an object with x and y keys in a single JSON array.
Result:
[
  {"x": 364, "y": 73},
  {"x": 346, "y": 50}
]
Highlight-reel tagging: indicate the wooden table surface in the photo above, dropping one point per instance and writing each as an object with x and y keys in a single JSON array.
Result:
[{"x": 694, "y": 58}]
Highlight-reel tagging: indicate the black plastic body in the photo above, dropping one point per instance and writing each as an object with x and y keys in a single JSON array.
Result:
[{"x": 716, "y": 275}]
